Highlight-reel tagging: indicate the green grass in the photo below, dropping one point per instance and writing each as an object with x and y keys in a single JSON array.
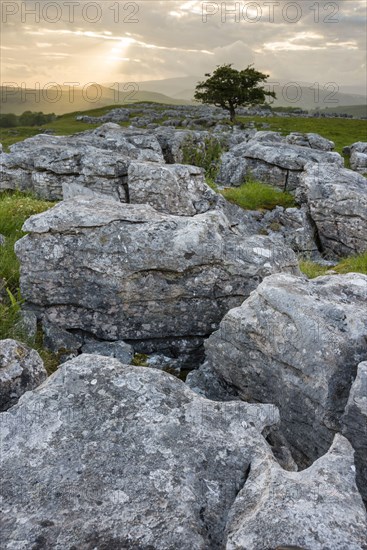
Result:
[
  {"x": 15, "y": 209},
  {"x": 258, "y": 196},
  {"x": 206, "y": 156},
  {"x": 341, "y": 131},
  {"x": 352, "y": 264}
]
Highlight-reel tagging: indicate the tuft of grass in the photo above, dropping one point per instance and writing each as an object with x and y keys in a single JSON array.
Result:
[
  {"x": 352, "y": 264},
  {"x": 206, "y": 155},
  {"x": 312, "y": 269},
  {"x": 140, "y": 360},
  {"x": 15, "y": 209},
  {"x": 258, "y": 196}
]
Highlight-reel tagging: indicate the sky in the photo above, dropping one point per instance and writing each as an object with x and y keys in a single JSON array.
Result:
[{"x": 120, "y": 41}]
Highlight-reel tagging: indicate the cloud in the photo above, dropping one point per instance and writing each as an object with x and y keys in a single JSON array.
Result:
[{"x": 149, "y": 40}]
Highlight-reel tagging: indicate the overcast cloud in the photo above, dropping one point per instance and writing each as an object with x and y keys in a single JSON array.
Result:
[{"x": 170, "y": 38}]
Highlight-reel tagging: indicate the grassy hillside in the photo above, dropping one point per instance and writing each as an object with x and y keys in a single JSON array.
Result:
[
  {"x": 341, "y": 131},
  {"x": 16, "y": 102}
]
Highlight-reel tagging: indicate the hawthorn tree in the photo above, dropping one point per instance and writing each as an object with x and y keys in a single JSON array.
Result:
[{"x": 229, "y": 88}]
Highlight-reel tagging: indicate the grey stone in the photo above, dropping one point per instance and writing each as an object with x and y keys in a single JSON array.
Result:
[
  {"x": 114, "y": 456},
  {"x": 27, "y": 325},
  {"x": 56, "y": 339},
  {"x": 127, "y": 272},
  {"x": 336, "y": 199},
  {"x": 354, "y": 426},
  {"x": 96, "y": 159},
  {"x": 296, "y": 343},
  {"x": 319, "y": 508},
  {"x": 119, "y": 350},
  {"x": 358, "y": 156},
  {"x": 175, "y": 189},
  {"x": 21, "y": 370},
  {"x": 294, "y": 226},
  {"x": 2, "y": 240},
  {"x": 314, "y": 141}
]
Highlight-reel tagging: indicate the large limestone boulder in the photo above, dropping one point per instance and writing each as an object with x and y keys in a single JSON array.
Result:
[
  {"x": 296, "y": 343},
  {"x": 354, "y": 425},
  {"x": 97, "y": 160},
  {"x": 127, "y": 272},
  {"x": 271, "y": 161},
  {"x": 21, "y": 370},
  {"x": 172, "y": 188},
  {"x": 319, "y": 508},
  {"x": 358, "y": 156},
  {"x": 336, "y": 199},
  {"x": 113, "y": 456}
]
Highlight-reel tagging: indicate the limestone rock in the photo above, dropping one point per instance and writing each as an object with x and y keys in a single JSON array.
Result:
[
  {"x": 119, "y": 350},
  {"x": 319, "y": 508},
  {"x": 175, "y": 189},
  {"x": 114, "y": 456},
  {"x": 336, "y": 199},
  {"x": 354, "y": 426},
  {"x": 358, "y": 156},
  {"x": 21, "y": 370},
  {"x": 2, "y": 240},
  {"x": 314, "y": 141},
  {"x": 296, "y": 343},
  {"x": 127, "y": 272},
  {"x": 96, "y": 159}
]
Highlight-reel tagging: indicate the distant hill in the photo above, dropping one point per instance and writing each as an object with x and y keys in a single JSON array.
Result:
[
  {"x": 33, "y": 100},
  {"x": 354, "y": 110},
  {"x": 306, "y": 94}
]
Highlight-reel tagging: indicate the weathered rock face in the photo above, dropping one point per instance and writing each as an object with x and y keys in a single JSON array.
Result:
[
  {"x": 124, "y": 457},
  {"x": 318, "y": 508},
  {"x": 336, "y": 199},
  {"x": 294, "y": 227},
  {"x": 358, "y": 156},
  {"x": 96, "y": 159},
  {"x": 21, "y": 370},
  {"x": 175, "y": 189},
  {"x": 314, "y": 141},
  {"x": 271, "y": 160},
  {"x": 127, "y": 272},
  {"x": 296, "y": 343},
  {"x": 354, "y": 426}
]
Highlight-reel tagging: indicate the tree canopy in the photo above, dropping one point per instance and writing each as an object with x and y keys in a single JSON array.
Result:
[{"x": 229, "y": 88}]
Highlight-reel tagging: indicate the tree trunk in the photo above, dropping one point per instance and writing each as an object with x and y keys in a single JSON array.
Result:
[{"x": 232, "y": 113}]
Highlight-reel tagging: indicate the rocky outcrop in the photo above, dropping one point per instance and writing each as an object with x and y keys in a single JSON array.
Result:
[
  {"x": 358, "y": 156},
  {"x": 114, "y": 456},
  {"x": 127, "y": 272},
  {"x": 267, "y": 158},
  {"x": 175, "y": 189},
  {"x": 96, "y": 159},
  {"x": 354, "y": 426},
  {"x": 336, "y": 199},
  {"x": 21, "y": 370},
  {"x": 316, "y": 509},
  {"x": 294, "y": 227},
  {"x": 296, "y": 343},
  {"x": 314, "y": 141}
]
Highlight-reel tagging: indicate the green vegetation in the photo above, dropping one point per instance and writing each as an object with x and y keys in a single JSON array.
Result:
[
  {"x": 342, "y": 131},
  {"x": 140, "y": 360},
  {"x": 254, "y": 195},
  {"x": 15, "y": 208},
  {"x": 206, "y": 155},
  {"x": 9, "y": 120},
  {"x": 352, "y": 264}
]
